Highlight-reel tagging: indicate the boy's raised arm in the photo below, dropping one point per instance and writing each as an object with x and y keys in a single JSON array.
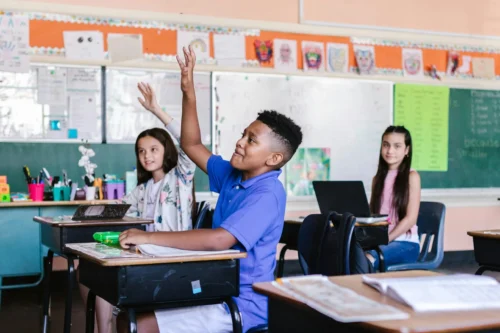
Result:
[{"x": 190, "y": 128}]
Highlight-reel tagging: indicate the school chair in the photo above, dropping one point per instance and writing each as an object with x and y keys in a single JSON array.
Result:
[
  {"x": 203, "y": 219},
  {"x": 327, "y": 245},
  {"x": 430, "y": 225},
  {"x": 258, "y": 329}
]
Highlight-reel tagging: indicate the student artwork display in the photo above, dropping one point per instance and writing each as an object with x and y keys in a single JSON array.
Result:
[
  {"x": 365, "y": 58},
  {"x": 286, "y": 58},
  {"x": 413, "y": 62},
  {"x": 452, "y": 63},
  {"x": 199, "y": 41},
  {"x": 338, "y": 57},
  {"x": 263, "y": 50},
  {"x": 483, "y": 68},
  {"x": 14, "y": 43},
  {"x": 313, "y": 56},
  {"x": 307, "y": 164},
  {"x": 84, "y": 45}
]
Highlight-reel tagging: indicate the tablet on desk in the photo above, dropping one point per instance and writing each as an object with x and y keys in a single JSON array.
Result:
[{"x": 100, "y": 212}]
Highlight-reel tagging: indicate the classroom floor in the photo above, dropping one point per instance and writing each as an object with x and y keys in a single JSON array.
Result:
[{"x": 21, "y": 308}]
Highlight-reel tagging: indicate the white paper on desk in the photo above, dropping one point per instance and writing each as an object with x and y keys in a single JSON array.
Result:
[
  {"x": 199, "y": 41},
  {"x": 82, "y": 79},
  {"x": 163, "y": 251},
  {"x": 82, "y": 114},
  {"x": 340, "y": 303},
  {"x": 51, "y": 86},
  {"x": 123, "y": 47},
  {"x": 84, "y": 45},
  {"x": 14, "y": 43},
  {"x": 229, "y": 50},
  {"x": 102, "y": 251}
]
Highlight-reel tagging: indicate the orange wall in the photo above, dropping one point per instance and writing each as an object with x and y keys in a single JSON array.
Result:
[{"x": 480, "y": 17}]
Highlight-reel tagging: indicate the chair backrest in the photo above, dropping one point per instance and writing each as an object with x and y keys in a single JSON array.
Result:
[
  {"x": 326, "y": 246},
  {"x": 430, "y": 224},
  {"x": 203, "y": 219}
]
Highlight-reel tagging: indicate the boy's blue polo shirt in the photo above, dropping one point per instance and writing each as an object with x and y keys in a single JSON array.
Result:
[{"x": 253, "y": 211}]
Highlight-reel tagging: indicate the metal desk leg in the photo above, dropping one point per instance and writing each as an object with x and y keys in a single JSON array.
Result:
[
  {"x": 484, "y": 268},
  {"x": 235, "y": 315},
  {"x": 46, "y": 291},
  {"x": 281, "y": 261},
  {"x": 132, "y": 328},
  {"x": 381, "y": 260},
  {"x": 90, "y": 314},
  {"x": 69, "y": 294}
]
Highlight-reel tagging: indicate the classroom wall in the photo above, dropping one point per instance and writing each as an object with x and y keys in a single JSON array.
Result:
[{"x": 481, "y": 17}]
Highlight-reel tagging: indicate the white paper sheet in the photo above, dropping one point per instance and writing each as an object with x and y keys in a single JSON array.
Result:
[
  {"x": 14, "y": 43},
  {"x": 123, "y": 47},
  {"x": 229, "y": 49},
  {"x": 51, "y": 86},
  {"x": 84, "y": 45}
]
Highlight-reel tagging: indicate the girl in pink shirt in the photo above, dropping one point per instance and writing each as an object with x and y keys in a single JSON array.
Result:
[{"x": 396, "y": 192}]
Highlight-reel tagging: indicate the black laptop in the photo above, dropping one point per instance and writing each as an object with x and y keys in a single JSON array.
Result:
[
  {"x": 100, "y": 212},
  {"x": 345, "y": 196}
]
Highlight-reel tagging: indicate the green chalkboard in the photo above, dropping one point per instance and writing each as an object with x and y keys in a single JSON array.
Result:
[
  {"x": 474, "y": 142},
  {"x": 110, "y": 159}
]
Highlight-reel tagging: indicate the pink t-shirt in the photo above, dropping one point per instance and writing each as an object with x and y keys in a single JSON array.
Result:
[{"x": 386, "y": 207}]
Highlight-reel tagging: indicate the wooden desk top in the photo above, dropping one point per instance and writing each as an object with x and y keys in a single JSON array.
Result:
[
  {"x": 147, "y": 260},
  {"x": 52, "y": 221},
  {"x": 53, "y": 203},
  {"x": 358, "y": 224},
  {"x": 451, "y": 321},
  {"x": 492, "y": 234}
]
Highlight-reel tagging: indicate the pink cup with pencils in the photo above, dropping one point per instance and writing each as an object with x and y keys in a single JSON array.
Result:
[{"x": 36, "y": 191}]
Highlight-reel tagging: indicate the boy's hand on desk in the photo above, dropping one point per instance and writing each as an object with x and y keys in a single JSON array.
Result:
[
  {"x": 133, "y": 237},
  {"x": 187, "y": 84}
]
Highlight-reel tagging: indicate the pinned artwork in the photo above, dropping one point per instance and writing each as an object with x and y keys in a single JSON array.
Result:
[
  {"x": 84, "y": 45},
  {"x": 452, "y": 66},
  {"x": 365, "y": 58},
  {"x": 313, "y": 55},
  {"x": 338, "y": 57},
  {"x": 413, "y": 64},
  {"x": 199, "y": 41},
  {"x": 263, "y": 50},
  {"x": 286, "y": 58},
  {"x": 483, "y": 68}
]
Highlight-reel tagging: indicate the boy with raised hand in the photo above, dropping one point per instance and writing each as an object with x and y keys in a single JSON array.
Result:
[{"x": 249, "y": 215}]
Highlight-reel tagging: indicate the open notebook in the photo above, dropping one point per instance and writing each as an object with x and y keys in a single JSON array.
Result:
[
  {"x": 334, "y": 301},
  {"x": 442, "y": 292},
  {"x": 163, "y": 251}
]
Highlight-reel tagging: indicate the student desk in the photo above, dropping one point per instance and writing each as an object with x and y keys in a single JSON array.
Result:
[
  {"x": 486, "y": 249},
  {"x": 289, "y": 315},
  {"x": 55, "y": 235},
  {"x": 21, "y": 253},
  {"x": 370, "y": 236},
  {"x": 148, "y": 283}
]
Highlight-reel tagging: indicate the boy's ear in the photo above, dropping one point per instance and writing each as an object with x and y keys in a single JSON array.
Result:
[{"x": 274, "y": 159}]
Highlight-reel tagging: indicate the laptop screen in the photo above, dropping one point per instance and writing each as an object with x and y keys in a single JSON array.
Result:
[{"x": 341, "y": 197}]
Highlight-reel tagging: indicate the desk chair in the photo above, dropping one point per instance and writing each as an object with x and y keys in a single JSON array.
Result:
[
  {"x": 430, "y": 225},
  {"x": 326, "y": 245},
  {"x": 203, "y": 219}
]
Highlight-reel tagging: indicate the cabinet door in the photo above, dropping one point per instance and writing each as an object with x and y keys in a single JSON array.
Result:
[{"x": 19, "y": 242}]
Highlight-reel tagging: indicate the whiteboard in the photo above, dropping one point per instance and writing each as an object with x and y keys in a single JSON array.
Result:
[
  {"x": 125, "y": 116},
  {"x": 25, "y": 115},
  {"x": 348, "y": 116}
]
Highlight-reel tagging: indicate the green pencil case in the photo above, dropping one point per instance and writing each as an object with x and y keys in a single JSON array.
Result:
[{"x": 107, "y": 237}]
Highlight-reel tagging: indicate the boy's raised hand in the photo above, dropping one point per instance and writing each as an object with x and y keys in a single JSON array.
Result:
[
  {"x": 187, "y": 66},
  {"x": 149, "y": 102}
]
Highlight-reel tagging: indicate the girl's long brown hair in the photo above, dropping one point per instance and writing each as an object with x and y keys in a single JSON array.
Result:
[{"x": 401, "y": 190}]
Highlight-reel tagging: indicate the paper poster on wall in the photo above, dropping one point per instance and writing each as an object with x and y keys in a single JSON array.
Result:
[
  {"x": 424, "y": 111},
  {"x": 84, "y": 45},
  {"x": 285, "y": 58},
  {"x": 413, "y": 64},
  {"x": 338, "y": 57},
  {"x": 123, "y": 47},
  {"x": 51, "y": 86},
  {"x": 313, "y": 56},
  {"x": 82, "y": 79},
  {"x": 199, "y": 41},
  {"x": 453, "y": 60},
  {"x": 14, "y": 43},
  {"x": 82, "y": 114},
  {"x": 306, "y": 165},
  {"x": 365, "y": 58},
  {"x": 229, "y": 50},
  {"x": 483, "y": 68}
]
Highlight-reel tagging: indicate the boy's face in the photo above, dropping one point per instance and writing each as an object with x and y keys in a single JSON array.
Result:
[{"x": 253, "y": 152}]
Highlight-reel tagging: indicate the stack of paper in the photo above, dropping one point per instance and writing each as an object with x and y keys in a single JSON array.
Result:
[
  {"x": 163, "y": 251},
  {"x": 339, "y": 303}
]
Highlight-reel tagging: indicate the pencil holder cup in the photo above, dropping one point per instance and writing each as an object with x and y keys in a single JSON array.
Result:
[
  {"x": 36, "y": 191},
  {"x": 66, "y": 190},
  {"x": 57, "y": 192}
]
